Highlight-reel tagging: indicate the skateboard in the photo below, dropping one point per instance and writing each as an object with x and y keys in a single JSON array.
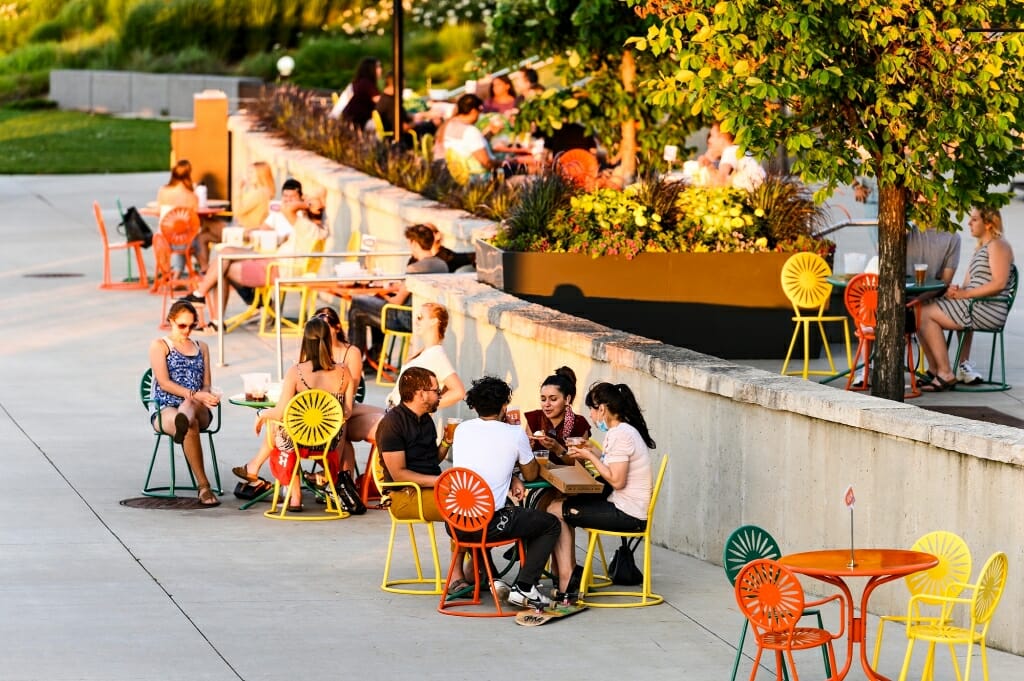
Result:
[{"x": 532, "y": 617}]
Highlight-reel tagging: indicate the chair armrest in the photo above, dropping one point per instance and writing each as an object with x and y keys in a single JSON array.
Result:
[
  {"x": 842, "y": 611},
  {"x": 398, "y": 485},
  {"x": 946, "y": 602}
]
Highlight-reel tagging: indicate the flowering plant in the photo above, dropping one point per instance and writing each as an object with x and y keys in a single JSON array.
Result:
[{"x": 657, "y": 216}]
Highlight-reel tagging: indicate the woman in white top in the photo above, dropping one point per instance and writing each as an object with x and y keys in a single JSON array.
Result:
[
  {"x": 431, "y": 323},
  {"x": 625, "y": 467}
]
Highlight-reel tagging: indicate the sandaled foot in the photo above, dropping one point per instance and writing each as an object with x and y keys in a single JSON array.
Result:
[
  {"x": 460, "y": 588},
  {"x": 242, "y": 472},
  {"x": 180, "y": 428},
  {"x": 295, "y": 509},
  {"x": 207, "y": 497},
  {"x": 939, "y": 385}
]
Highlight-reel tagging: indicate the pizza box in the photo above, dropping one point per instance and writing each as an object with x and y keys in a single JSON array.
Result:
[{"x": 570, "y": 479}]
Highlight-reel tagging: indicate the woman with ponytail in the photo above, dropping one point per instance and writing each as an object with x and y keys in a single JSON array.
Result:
[
  {"x": 550, "y": 425},
  {"x": 625, "y": 467}
]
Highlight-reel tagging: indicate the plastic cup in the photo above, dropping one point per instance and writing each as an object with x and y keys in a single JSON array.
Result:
[
  {"x": 449, "y": 428},
  {"x": 512, "y": 416},
  {"x": 920, "y": 273},
  {"x": 542, "y": 456},
  {"x": 575, "y": 441}
]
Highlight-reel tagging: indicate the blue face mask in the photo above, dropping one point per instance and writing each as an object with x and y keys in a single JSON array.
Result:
[{"x": 602, "y": 426}]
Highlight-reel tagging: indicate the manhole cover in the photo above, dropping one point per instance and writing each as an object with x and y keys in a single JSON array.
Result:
[
  {"x": 159, "y": 503},
  {"x": 52, "y": 275}
]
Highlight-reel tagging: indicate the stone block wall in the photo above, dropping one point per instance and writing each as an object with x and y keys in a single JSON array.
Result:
[{"x": 144, "y": 94}]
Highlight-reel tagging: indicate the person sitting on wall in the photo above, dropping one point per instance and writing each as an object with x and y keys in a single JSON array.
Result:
[{"x": 722, "y": 166}]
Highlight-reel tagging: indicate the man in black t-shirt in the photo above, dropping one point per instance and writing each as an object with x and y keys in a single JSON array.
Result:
[{"x": 407, "y": 442}]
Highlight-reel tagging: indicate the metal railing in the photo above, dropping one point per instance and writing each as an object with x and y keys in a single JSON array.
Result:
[{"x": 360, "y": 255}]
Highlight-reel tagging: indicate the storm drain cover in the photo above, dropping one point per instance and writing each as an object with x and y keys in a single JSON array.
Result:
[
  {"x": 159, "y": 503},
  {"x": 52, "y": 275}
]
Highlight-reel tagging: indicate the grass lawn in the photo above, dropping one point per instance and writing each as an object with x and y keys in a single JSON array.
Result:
[{"x": 60, "y": 142}]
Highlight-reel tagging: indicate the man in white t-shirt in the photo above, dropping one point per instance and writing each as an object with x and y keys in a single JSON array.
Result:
[{"x": 491, "y": 448}]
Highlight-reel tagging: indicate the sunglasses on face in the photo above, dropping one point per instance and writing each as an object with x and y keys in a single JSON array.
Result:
[
  {"x": 182, "y": 327},
  {"x": 433, "y": 390}
]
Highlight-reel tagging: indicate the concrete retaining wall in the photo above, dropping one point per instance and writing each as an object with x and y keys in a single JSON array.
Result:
[
  {"x": 746, "y": 446},
  {"x": 145, "y": 94},
  {"x": 355, "y": 202}
]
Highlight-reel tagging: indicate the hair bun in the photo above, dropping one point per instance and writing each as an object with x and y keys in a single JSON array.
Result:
[{"x": 566, "y": 372}]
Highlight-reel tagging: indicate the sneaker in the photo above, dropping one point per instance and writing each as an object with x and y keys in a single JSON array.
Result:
[
  {"x": 966, "y": 374},
  {"x": 500, "y": 589},
  {"x": 194, "y": 299},
  {"x": 532, "y": 598}
]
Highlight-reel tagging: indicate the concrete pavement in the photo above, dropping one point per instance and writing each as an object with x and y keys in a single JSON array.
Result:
[{"x": 92, "y": 590}]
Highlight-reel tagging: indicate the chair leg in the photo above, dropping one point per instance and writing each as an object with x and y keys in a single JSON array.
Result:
[
  {"x": 878, "y": 643},
  {"x": 824, "y": 649},
  {"x": 828, "y": 350},
  {"x": 739, "y": 649},
  {"x": 906, "y": 660},
  {"x": 789, "y": 353}
]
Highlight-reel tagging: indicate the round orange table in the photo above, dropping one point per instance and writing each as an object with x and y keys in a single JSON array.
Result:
[{"x": 878, "y": 565}]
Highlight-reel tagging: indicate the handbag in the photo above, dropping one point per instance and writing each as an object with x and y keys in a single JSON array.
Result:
[
  {"x": 622, "y": 569},
  {"x": 348, "y": 494},
  {"x": 135, "y": 228}
]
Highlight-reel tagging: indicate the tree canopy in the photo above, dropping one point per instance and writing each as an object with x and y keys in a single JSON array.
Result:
[{"x": 925, "y": 95}]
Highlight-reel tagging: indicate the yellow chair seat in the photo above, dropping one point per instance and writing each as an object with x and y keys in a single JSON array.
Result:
[
  {"x": 624, "y": 599},
  {"x": 407, "y": 585},
  {"x": 312, "y": 419},
  {"x": 804, "y": 281}
]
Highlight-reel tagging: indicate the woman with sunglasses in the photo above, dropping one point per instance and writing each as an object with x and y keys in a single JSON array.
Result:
[
  {"x": 625, "y": 468},
  {"x": 316, "y": 369},
  {"x": 181, "y": 391},
  {"x": 555, "y": 421},
  {"x": 361, "y": 420},
  {"x": 431, "y": 324}
]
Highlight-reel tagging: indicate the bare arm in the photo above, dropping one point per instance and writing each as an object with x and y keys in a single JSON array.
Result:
[
  {"x": 615, "y": 474},
  {"x": 276, "y": 413},
  {"x": 395, "y": 462},
  {"x": 1000, "y": 257},
  {"x": 453, "y": 393}
]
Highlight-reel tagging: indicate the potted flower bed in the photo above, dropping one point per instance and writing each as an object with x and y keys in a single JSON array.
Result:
[{"x": 691, "y": 266}]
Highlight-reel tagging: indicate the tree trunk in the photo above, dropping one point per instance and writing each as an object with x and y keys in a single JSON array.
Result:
[
  {"x": 890, "y": 343},
  {"x": 628, "y": 149}
]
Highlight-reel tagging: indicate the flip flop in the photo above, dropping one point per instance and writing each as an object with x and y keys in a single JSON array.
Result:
[
  {"x": 939, "y": 385},
  {"x": 460, "y": 588}
]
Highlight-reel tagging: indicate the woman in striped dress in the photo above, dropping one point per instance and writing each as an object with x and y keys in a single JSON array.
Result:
[{"x": 987, "y": 275}]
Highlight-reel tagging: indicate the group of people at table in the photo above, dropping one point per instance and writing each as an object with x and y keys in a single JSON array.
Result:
[
  {"x": 494, "y": 445},
  {"x": 989, "y": 274}
]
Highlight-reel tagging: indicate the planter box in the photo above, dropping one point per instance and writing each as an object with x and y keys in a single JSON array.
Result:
[{"x": 729, "y": 305}]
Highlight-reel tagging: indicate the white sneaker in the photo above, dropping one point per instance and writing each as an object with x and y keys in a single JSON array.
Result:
[
  {"x": 500, "y": 589},
  {"x": 966, "y": 374},
  {"x": 532, "y": 598}
]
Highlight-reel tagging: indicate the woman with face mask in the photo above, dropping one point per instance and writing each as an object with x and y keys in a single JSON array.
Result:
[{"x": 625, "y": 467}]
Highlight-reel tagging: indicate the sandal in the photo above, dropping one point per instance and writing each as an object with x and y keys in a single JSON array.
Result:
[
  {"x": 207, "y": 497},
  {"x": 295, "y": 509},
  {"x": 180, "y": 428},
  {"x": 939, "y": 385},
  {"x": 242, "y": 472},
  {"x": 460, "y": 588}
]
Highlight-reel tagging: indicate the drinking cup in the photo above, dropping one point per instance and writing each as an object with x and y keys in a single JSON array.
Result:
[
  {"x": 512, "y": 416},
  {"x": 449, "y": 428},
  {"x": 920, "y": 273},
  {"x": 575, "y": 441},
  {"x": 542, "y": 456}
]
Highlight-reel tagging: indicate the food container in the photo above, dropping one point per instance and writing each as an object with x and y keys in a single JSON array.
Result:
[
  {"x": 233, "y": 236},
  {"x": 255, "y": 386}
]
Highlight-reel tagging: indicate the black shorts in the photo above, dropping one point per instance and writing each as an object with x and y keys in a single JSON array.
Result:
[{"x": 596, "y": 512}]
